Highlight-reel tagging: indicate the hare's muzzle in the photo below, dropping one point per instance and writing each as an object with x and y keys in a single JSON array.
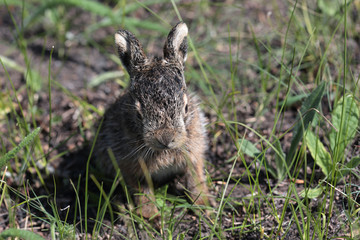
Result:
[{"x": 167, "y": 139}]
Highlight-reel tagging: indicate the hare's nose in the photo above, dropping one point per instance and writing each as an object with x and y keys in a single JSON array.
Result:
[{"x": 166, "y": 139}]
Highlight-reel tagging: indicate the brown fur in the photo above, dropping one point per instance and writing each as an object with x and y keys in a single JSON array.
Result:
[{"x": 155, "y": 127}]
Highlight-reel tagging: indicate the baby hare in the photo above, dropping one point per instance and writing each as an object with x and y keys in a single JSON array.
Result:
[{"x": 155, "y": 130}]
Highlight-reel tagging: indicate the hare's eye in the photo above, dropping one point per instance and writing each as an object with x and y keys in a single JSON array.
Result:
[
  {"x": 185, "y": 99},
  {"x": 138, "y": 115},
  {"x": 138, "y": 110}
]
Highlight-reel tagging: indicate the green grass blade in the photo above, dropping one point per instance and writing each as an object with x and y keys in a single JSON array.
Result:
[
  {"x": 49, "y": 92},
  {"x": 350, "y": 166},
  {"x": 312, "y": 192},
  {"x": 330, "y": 7},
  {"x": 9, "y": 63},
  {"x": 248, "y": 148},
  {"x": 105, "y": 77},
  {"x": 33, "y": 79},
  {"x": 96, "y": 8},
  {"x": 20, "y": 233},
  {"x": 317, "y": 150},
  {"x": 280, "y": 168},
  {"x": 305, "y": 117},
  {"x": 90, "y": 6},
  {"x": 346, "y": 125},
  {"x": 26, "y": 141}
]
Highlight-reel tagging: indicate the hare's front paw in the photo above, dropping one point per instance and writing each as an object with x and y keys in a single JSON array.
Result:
[
  {"x": 202, "y": 198},
  {"x": 146, "y": 206},
  {"x": 205, "y": 201}
]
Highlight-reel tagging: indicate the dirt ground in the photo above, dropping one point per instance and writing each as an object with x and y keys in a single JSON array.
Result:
[{"x": 82, "y": 63}]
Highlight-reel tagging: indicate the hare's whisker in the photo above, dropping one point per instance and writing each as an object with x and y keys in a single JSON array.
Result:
[
  {"x": 135, "y": 151},
  {"x": 148, "y": 154}
]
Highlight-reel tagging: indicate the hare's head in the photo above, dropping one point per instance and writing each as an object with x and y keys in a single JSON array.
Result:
[{"x": 157, "y": 88}]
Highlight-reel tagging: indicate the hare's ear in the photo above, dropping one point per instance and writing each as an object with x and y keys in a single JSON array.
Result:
[
  {"x": 130, "y": 51},
  {"x": 176, "y": 44}
]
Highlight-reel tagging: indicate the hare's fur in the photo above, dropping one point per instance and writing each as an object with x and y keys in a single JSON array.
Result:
[{"x": 155, "y": 129}]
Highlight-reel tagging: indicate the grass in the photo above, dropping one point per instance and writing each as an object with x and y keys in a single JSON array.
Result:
[{"x": 278, "y": 80}]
